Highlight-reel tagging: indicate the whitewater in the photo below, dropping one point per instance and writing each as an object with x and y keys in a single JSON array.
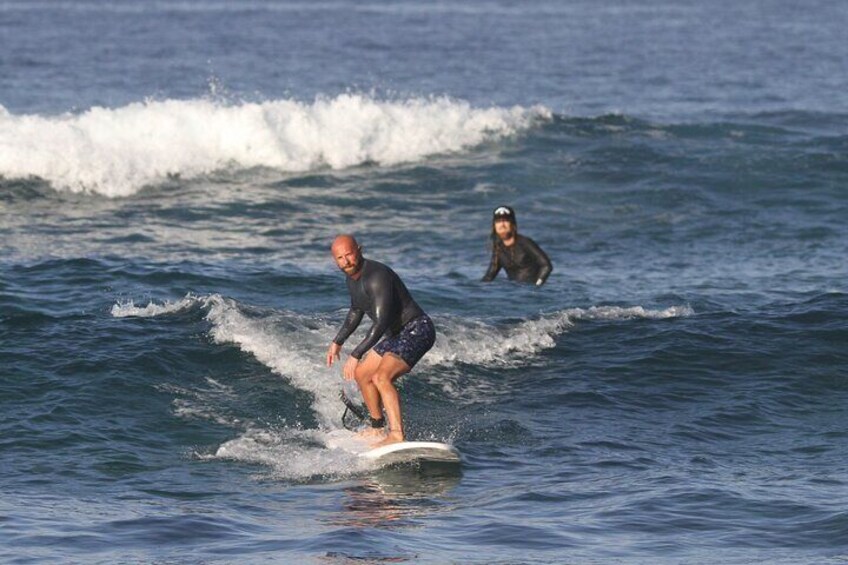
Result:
[{"x": 117, "y": 152}]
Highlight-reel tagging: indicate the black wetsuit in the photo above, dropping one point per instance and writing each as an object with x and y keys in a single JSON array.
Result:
[
  {"x": 381, "y": 294},
  {"x": 524, "y": 261}
]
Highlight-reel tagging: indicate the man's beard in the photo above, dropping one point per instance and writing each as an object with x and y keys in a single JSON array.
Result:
[
  {"x": 352, "y": 269},
  {"x": 507, "y": 236}
]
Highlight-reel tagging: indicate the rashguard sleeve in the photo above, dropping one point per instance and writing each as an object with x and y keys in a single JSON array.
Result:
[
  {"x": 494, "y": 266},
  {"x": 544, "y": 262},
  {"x": 385, "y": 310},
  {"x": 354, "y": 316}
]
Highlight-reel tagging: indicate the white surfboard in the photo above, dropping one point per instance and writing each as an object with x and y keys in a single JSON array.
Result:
[
  {"x": 402, "y": 452},
  {"x": 411, "y": 451}
]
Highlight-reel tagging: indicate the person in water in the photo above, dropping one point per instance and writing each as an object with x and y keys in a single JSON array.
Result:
[
  {"x": 523, "y": 260},
  {"x": 407, "y": 332}
]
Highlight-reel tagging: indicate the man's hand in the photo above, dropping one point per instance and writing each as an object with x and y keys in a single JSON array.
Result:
[
  {"x": 350, "y": 368},
  {"x": 333, "y": 353}
]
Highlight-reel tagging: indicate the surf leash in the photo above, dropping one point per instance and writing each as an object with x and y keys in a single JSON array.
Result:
[{"x": 352, "y": 408}]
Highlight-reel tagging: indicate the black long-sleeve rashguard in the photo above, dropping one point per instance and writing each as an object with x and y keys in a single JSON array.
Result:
[
  {"x": 381, "y": 294},
  {"x": 524, "y": 261}
]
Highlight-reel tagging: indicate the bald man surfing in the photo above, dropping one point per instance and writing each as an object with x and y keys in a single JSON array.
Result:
[{"x": 407, "y": 334}]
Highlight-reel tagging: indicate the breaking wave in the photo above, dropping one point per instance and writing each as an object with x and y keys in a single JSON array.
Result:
[{"x": 117, "y": 152}]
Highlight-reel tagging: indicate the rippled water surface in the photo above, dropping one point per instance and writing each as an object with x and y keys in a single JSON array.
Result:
[{"x": 172, "y": 174}]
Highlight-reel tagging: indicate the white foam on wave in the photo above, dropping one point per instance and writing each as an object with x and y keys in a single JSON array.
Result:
[
  {"x": 292, "y": 454},
  {"x": 290, "y": 344},
  {"x": 116, "y": 152},
  {"x": 478, "y": 343},
  {"x": 128, "y": 309},
  {"x": 496, "y": 346}
]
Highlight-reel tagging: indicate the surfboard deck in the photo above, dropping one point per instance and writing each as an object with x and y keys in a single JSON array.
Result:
[{"x": 402, "y": 452}]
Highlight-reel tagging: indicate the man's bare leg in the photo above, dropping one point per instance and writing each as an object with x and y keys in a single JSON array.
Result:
[
  {"x": 390, "y": 368},
  {"x": 364, "y": 371}
]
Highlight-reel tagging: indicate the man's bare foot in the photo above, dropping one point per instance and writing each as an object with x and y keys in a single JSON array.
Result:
[
  {"x": 371, "y": 434},
  {"x": 392, "y": 437}
]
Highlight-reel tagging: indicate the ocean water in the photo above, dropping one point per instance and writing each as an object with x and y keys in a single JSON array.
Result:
[{"x": 172, "y": 173}]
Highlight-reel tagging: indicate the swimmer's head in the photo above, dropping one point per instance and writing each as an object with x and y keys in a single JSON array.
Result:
[
  {"x": 347, "y": 254},
  {"x": 504, "y": 226}
]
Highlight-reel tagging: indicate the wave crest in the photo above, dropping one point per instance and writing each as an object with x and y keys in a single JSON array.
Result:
[{"x": 116, "y": 152}]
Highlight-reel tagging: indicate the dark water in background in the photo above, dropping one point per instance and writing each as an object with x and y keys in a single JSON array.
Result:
[{"x": 171, "y": 176}]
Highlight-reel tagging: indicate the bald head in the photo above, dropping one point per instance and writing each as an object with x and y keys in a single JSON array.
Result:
[
  {"x": 347, "y": 254},
  {"x": 343, "y": 241}
]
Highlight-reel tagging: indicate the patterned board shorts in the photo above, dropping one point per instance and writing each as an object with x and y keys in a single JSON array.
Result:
[{"x": 412, "y": 342}]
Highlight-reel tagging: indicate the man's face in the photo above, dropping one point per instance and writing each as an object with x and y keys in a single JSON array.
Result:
[
  {"x": 504, "y": 229},
  {"x": 348, "y": 258}
]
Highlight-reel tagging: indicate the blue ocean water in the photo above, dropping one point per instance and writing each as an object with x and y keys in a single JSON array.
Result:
[{"x": 171, "y": 174}]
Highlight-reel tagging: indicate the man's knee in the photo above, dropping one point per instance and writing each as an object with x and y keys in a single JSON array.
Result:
[
  {"x": 382, "y": 377},
  {"x": 362, "y": 377}
]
